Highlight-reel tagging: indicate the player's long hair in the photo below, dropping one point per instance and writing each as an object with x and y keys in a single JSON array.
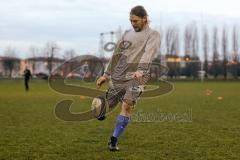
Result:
[{"x": 140, "y": 12}]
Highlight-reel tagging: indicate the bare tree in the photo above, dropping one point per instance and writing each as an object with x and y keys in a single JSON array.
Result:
[
  {"x": 191, "y": 41},
  {"x": 215, "y": 44},
  {"x": 161, "y": 49},
  {"x": 205, "y": 50},
  {"x": 195, "y": 41},
  {"x": 69, "y": 54},
  {"x": 235, "y": 41},
  {"x": 172, "y": 49},
  {"x": 172, "y": 41},
  {"x": 10, "y": 62},
  {"x": 215, "y": 61},
  {"x": 34, "y": 52},
  {"x": 187, "y": 40},
  {"x": 51, "y": 51},
  {"x": 195, "y": 65},
  {"x": 224, "y": 52}
]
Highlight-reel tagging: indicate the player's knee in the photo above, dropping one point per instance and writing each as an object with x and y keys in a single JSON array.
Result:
[
  {"x": 126, "y": 109},
  {"x": 128, "y": 106}
]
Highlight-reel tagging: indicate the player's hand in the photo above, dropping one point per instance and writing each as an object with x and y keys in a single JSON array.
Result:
[
  {"x": 138, "y": 75},
  {"x": 100, "y": 81}
]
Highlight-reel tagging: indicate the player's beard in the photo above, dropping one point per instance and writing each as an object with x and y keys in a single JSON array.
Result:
[{"x": 137, "y": 29}]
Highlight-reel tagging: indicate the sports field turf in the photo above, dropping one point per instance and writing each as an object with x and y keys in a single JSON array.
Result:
[{"x": 197, "y": 121}]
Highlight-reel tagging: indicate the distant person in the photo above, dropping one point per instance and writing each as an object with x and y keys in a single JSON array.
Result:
[{"x": 27, "y": 75}]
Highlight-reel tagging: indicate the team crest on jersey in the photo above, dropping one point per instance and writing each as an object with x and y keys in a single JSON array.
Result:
[{"x": 124, "y": 45}]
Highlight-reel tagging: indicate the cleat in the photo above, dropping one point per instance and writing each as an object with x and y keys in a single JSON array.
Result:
[
  {"x": 101, "y": 118},
  {"x": 112, "y": 145}
]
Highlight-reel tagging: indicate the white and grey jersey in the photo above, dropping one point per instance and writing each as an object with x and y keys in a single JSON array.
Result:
[{"x": 134, "y": 51}]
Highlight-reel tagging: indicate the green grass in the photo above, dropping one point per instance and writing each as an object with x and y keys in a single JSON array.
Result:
[{"x": 30, "y": 130}]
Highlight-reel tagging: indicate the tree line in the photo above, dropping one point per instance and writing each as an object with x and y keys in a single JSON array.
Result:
[
  {"x": 214, "y": 51},
  {"x": 11, "y": 63}
]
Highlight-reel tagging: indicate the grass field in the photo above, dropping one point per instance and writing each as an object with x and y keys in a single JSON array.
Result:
[{"x": 30, "y": 130}]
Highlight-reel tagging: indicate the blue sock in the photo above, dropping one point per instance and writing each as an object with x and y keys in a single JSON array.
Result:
[{"x": 121, "y": 123}]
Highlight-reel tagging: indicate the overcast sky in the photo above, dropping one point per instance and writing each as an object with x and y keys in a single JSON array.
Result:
[{"x": 76, "y": 24}]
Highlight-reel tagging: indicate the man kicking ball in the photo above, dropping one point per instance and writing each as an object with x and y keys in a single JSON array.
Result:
[{"x": 128, "y": 69}]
